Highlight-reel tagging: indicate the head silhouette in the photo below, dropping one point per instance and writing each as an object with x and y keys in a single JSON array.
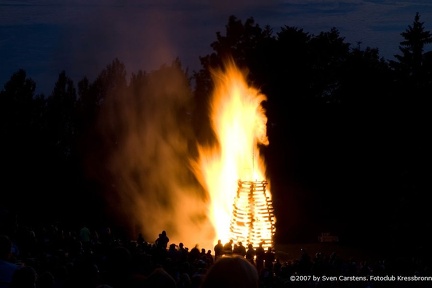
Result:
[{"x": 231, "y": 272}]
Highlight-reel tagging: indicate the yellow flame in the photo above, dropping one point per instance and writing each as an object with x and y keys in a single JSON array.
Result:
[{"x": 239, "y": 122}]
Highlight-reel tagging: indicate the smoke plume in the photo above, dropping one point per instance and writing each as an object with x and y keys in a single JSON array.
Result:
[{"x": 152, "y": 187}]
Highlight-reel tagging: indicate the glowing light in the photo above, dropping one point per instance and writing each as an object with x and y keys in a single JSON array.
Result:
[
  {"x": 234, "y": 171},
  {"x": 253, "y": 219}
]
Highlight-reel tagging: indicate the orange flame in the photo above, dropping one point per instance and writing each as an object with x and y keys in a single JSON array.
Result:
[{"x": 239, "y": 122}]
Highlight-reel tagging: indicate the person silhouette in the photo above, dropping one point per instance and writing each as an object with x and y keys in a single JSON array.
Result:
[
  {"x": 269, "y": 258},
  {"x": 218, "y": 249},
  {"x": 250, "y": 254},
  {"x": 241, "y": 250},
  {"x": 228, "y": 247},
  {"x": 162, "y": 241},
  {"x": 140, "y": 239},
  {"x": 260, "y": 255}
]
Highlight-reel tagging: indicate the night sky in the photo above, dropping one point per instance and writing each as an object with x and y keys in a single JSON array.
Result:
[{"x": 81, "y": 37}]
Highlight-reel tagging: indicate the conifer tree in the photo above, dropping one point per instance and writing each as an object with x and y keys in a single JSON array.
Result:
[{"x": 411, "y": 63}]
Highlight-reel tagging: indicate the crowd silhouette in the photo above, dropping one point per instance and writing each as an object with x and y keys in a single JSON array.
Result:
[{"x": 53, "y": 257}]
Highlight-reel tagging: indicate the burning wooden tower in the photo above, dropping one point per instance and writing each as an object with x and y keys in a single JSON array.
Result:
[
  {"x": 240, "y": 208},
  {"x": 253, "y": 219}
]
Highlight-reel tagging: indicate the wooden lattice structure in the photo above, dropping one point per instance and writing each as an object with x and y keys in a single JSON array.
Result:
[{"x": 253, "y": 220}]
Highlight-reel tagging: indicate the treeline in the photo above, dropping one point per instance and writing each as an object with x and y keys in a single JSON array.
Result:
[{"x": 348, "y": 130}]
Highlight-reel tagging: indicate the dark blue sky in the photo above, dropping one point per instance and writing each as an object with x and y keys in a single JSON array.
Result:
[{"x": 81, "y": 37}]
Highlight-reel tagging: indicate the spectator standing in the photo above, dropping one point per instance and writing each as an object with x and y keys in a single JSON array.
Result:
[
  {"x": 241, "y": 250},
  {"x": 218, "y": 249},
  {"x": 250, "y": 254},
  {"x": 260, "y": 255},
  {"x": 162, "y": 240},
  {"x": 85, "y": 237},
  {"x": 228, "y": 247}
]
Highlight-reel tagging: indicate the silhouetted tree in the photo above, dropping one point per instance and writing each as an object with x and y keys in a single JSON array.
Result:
[
  {"x": 412, "y": 48},
  {"x": 413, "y": 67},
  {"x": 366, "y": 81},
  {"x": 91, "y": 97},
  {"x": 410, "y": 119},
  {"x": 62, "y": 157},
  {"x": 329, "y": 51},
  {"x": 20, "y": 126},
  {"x": 61, "y": 114},
  {"x": 240, "y": 43},
  {"x": 110, "y": 82},
  {"x": 286, "y": 80},
  {"x": 17, "y": 103}
]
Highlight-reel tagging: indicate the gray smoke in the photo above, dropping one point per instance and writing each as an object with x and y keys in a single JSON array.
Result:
[{"x": 153, "y": 186}]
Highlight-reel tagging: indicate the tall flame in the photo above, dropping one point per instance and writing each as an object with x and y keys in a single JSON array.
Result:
[{"x": 239, "y": 123}]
